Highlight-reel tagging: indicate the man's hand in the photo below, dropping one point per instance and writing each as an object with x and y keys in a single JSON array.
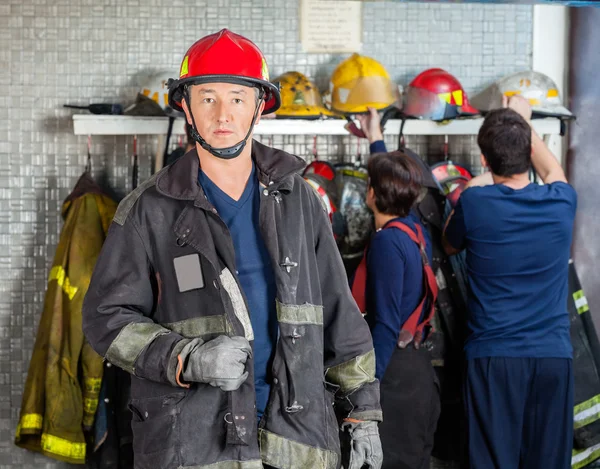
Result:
[
  {"x": 370, "y": 124},
  {"x": 219, "y": 362},
  {"x": 364, "y": 445},
  {"x": 519, "y": 104}
]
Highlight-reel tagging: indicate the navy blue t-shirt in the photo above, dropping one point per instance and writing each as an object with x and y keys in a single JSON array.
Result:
[
  {"x": 254, "y": 272},
  {"x": 394, "y": 287},
  {"x": 517, "y": 244}
]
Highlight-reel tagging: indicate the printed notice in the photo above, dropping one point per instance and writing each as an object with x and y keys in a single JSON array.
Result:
[{"x": 330, "y": 26}]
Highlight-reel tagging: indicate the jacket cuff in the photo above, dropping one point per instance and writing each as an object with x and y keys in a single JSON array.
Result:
[
  {"x": 131, "y": 341},
  {"x": 375, "y": 415},
  {"x": 175, "y": 367}
]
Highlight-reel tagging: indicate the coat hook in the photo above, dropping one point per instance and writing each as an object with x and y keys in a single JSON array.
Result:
[
  {"x": 134, "y": 171},
  {"x": 88, "y": 165}
]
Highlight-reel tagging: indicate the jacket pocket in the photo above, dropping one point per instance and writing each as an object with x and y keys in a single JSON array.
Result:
[{"x": 155, "y": 430}]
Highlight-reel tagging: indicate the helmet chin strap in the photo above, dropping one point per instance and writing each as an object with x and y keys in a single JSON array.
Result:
[{"x": 227, "y": 153}]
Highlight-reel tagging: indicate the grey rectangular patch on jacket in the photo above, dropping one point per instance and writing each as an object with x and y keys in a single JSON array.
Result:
[{"x": 188, "y": 272}]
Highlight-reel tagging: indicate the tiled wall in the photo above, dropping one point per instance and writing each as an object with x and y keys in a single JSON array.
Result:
[{"x": 81, "y": 51}]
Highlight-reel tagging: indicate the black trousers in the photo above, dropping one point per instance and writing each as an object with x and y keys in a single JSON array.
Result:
[{"x": 410, "y": 400}]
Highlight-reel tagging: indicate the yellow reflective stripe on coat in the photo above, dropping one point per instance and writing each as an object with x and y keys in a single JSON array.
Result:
[
  {"x": 90, "y": 405},
  {"x": 582, "y": 457},
  {"x": 58, "y": 273},
  {"x": 586, "y": 412},
  {"x": 31, "y": 422},
  {"x": 580, "y": 302},
  {"x": 92, "y": 385},
  {"x": 61, "y": 447}
]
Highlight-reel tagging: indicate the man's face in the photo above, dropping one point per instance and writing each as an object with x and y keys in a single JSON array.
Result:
[{"x": 222, "y": 112}]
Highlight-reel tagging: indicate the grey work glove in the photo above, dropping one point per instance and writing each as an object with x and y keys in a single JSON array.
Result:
[
  {"x": 364, "y": 445},
  {"x": 219, "y": 362}
]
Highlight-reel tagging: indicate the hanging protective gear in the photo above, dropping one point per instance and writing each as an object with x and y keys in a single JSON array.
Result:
[
  {"x": 447, "y": 169},
  {"x": 219, "y": 362},
  {"x": 65, "y": 374},
  {"x": 300, "y": 98},
  {"x": 586, "y": 372},
  {"x": 320, "y": 168},
  {"x": 357, "y": 217},
  {"x": 539, "y": 89},
  {"x": 364, "y": 445},
  {"x": 361, "y": 82},
  {"x": 320, "y": 175},
  {"x": 437, "y": 95},
  {"x": 452, "y": 178},
  {"x": 224, "y": 57}
]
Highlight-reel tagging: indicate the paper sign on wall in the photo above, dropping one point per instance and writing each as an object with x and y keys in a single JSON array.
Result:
[{"x": 330, "y": 26}]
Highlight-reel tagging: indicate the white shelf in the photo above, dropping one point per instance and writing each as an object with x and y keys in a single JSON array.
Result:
[{"x": 90, "y": 124}]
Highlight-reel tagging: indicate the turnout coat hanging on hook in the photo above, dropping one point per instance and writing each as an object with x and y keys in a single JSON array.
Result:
[{"x": 64, "y": 378}]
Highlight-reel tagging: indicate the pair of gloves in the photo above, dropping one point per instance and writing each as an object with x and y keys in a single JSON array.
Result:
[{"x": 221, "y": 363}]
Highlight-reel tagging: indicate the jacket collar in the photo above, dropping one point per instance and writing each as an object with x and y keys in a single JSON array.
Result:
[
  {"x": 85, "y": 185},
  {"x": 275, "y": 169}
]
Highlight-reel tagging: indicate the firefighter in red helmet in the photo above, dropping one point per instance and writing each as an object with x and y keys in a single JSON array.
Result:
[{"x": 221, "y": 290}]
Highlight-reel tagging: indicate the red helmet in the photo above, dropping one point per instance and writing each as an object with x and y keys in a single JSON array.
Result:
[
  {"x": 321, "y": 168},
  {"x": 447, "y": 170},
  {"x": 436, "y": 94},
  {"x": 225, "y": 57}
]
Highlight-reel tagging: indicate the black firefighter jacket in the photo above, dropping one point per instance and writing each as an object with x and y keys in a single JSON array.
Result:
[{"x": 136, "y": 312}]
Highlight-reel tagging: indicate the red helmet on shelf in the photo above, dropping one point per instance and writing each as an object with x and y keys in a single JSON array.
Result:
[{"x": 437, "y": 95}]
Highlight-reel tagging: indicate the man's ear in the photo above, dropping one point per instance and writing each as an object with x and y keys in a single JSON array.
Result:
[
  {"x": 260, "y": 111},
  {"x": 186, "y": 109},
  {"x": 484, "y": 163}
]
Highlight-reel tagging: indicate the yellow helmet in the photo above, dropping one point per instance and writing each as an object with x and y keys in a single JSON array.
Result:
[
  {"x": 360, "y": 82},
  {"x": 300, "y": 98}
]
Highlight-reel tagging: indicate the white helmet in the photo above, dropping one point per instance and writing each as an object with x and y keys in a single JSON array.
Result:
[
  {"x": 539, "y": 89},
  {"x": 155, "y": 87}
]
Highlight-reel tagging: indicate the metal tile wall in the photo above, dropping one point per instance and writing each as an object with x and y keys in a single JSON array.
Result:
[{"x": 58, "y": 51}]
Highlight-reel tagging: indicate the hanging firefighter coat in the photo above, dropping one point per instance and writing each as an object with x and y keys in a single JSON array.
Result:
[
  {"x": 586, "y": 374},
  {"x": 63, "y": 382}
]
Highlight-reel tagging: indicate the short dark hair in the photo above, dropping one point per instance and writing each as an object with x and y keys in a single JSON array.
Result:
[
  {"x": 505, "y": 141},
  {"x": 396, "y": 180}
]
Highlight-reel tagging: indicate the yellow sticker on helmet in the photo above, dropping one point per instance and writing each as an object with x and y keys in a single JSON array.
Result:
[
  {"x": 445, "y": 97},
  {"x": 458, "y": 97},
  {"x": 265, "y": 70},
  {"x": 184, "y": 67}
]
